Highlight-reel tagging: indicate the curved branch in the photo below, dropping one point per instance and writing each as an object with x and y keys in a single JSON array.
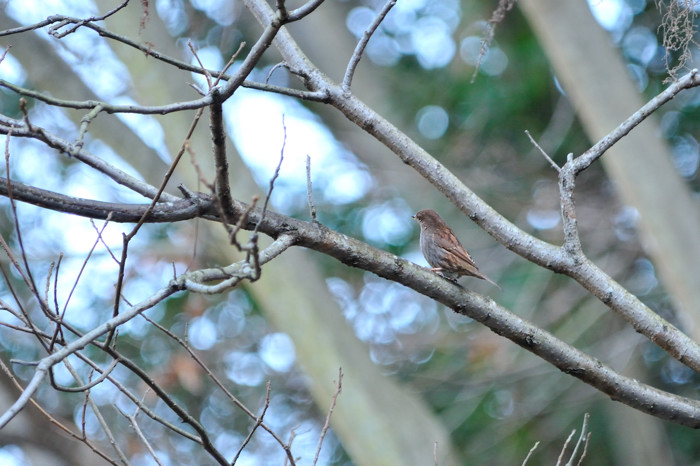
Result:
[
  {"x": 527, "y": 246},
  {"x": 178, "y": 210}
]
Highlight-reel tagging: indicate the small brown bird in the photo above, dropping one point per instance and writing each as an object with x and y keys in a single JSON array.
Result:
[{"x": 442, "y": 249}]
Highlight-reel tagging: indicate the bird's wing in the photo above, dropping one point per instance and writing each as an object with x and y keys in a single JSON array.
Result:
[{"x": 453, "y": 246}]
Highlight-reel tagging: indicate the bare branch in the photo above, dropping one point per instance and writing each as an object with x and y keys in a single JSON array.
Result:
[
  {"x": 327, "y": 423},
  {"x": 92, "y": 383},
  {"x": 85, "y": 122},
  {"x": 586, "y": 159},
  {"x": 567, "y": 183},
  {"x": 484, "y": 310},
  {"x": 218, "y": 136},
  {"x": 54, "y": 421},
  {"x": 529, "y": 453},
  {"x": 304, "y": 10},
  {"x": 360, "y": 48},
  {"x": 566, "y": 445},
  {"x": 91, "y": 336},
  {"x": 544, "y": 154},
  {"x": 139, "y": 433},
  {"x": 96, "y": 409},
  {"x": 581, "y": 442},
  {"x": 20, "y": 129},
  {"x": 219, "y": 384},
  {"x": 149, "y": 51},
  {"x": 257, "y": 424},
  {"x": 173, "y": 211},
  {"x": 142, "y": 220},
  {"x": 309, "y": 191},
  {"x": 235, "y": 273}
]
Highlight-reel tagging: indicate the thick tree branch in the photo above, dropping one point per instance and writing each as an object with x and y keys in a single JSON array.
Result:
[
  {"x": 482, "y": 309},
  {"x": 172, "y": 211}
]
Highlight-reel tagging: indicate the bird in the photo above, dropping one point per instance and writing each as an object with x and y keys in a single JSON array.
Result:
[{"x": 442, "y": 249}]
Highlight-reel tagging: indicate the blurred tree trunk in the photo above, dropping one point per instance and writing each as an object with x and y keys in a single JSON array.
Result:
[{"x": 596, "y": 80}]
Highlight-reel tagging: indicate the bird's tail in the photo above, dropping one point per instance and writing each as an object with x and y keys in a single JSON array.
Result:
[{"x": 484, "y": 277}]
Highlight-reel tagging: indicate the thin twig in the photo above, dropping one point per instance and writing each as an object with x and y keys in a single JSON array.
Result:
[
  {"x": 585, "y": 450},
  {"x": 59, "y": 35},
  {"x": 205, "y": 72},
  {"x": 140, "y": 434},
  {"x": 360, "y": 47},
  {"x": 102, "y": 240},
  {"x": 252, "y": 248},
  {"x": 309, "y": 193},
  {"x": 257, "y": 424},
  {"x": 566, "y": 445},
  {"x": 184, "y": 344},
  {"x": 90, "y": 384},
  {"x": 292, "y": 436},
  {"x": 10, "y": 376},
  {"x": 234, "y": 273},
  {"x": 546, "y": 156},
  {"x": 274, "y": 175},
  {"x": 27, "y": 274},
  {"x": 82, "y": 267},
  {"x": 85, "y": 122},
  {"x": 96, "y": 411},
  {"x": 529, "y": 454},
  {"x": 302, "y": 11},
  {"x": 327, "y": 423},
  {"x": 127, "y": 238},
  {"x": 582, "y": 440},
  {"x": 242, "y": 220},
  {"x": 273, "y": 69},
  {"x": 23, "y": 129}
]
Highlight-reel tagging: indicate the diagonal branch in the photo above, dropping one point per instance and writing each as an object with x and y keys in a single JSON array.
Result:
[
  {"x": 482, "y": 309},
  {"x": 689, "y": 81},
  {"x": 173, "y": 211},
  {"x": 362, "y": 44},
  {"x": 552, "y": 257}
]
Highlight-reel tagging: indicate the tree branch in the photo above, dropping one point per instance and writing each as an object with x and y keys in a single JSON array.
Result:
[
  {"x": 482, "y": 309},
  {"x": 533, "y": 249}
]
